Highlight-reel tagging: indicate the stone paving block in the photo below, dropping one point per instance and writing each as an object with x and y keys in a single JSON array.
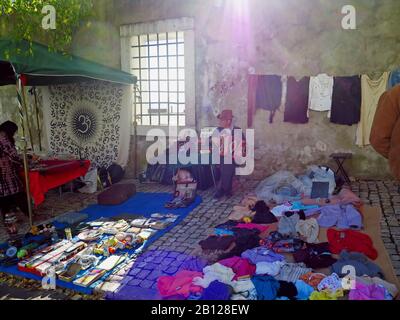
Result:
[
  {"x": 126, "y": 279},
  {"x": 146, "y": 284},
  {"x": 143, "y": 274},
  {"x": 150, "y": 266},
  {"x": 176, "y": 264},
  {"x": 135, "y": 282},
  {"x": 154, "y": 286},
  {"x": 169, "y": 270},
  {"x": 167, "y": 261},
  {"x": 134, "y": 271},
  {"x": 181, "y": 257},
  {"x": 173, "y": 254}
]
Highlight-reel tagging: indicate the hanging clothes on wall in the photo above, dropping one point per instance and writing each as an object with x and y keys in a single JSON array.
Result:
[
  {"x": 296, "y": 106},
  {"x": 346, "y": 100},
  {"x": 265, "y": 92},
  {"x": 251, "y": 98},
  {"x": 321, "y": 88},
  {"x": 371, "y": 92},
  {"x": 269, "y": 94},
  {"x": 394, "y": 79}
]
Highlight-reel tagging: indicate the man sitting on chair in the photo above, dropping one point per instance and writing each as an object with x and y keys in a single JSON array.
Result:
[{"x": 227, "y": 170}]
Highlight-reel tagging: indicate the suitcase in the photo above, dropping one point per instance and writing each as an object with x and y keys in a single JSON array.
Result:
[{"x": 116, "y": 194}]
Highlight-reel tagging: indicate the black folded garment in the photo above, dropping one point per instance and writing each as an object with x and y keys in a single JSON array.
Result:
[
  {"x": 287, "y": 289},
  {"x": 301, "y": 214},
  {"x": 243, "y": 242},
  {"x": 263, "y": 214},
  {"x": 217, "y": 242},
  {"x": 315, "y": 255},
  {"x": 228, "y": 225}
]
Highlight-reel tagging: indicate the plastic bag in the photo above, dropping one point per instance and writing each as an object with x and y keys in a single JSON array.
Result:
[
  {"x": 281, "y": 187},
  {"x": 90, "y": 180},
  {"x": 321, "y": 174}
]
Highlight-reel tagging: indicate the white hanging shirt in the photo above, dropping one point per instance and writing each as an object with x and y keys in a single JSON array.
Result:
[{"x": 320, "y": 95}]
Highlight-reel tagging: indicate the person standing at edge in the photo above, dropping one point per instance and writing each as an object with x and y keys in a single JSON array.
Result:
[
  {"x": 385, "y": 132},
  {"x": 227, "y": 170},
  {"x": 11, "y": 187}
]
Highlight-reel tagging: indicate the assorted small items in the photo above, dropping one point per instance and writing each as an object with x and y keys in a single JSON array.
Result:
[{"x": 90, "y": 251}]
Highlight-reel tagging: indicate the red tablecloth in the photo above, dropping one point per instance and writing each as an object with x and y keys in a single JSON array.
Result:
[{"x": 53, "y": 174}]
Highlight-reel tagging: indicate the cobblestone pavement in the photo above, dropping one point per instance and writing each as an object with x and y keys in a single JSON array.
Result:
[{"x": 184, "y": 238}]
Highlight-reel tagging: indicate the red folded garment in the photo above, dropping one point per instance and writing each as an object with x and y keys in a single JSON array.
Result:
[
  {"x": 351, "y": 240},
  {"x": 252, "y": 226},
  {"x": 240, "y": 266},
  {"x": 180, "y": 284}
]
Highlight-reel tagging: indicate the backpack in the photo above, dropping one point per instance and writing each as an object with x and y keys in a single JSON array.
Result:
[{"x": 116, "y": 173}]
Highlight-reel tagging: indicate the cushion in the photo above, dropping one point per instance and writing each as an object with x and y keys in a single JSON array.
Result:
[{"x": 116, "y": 194}]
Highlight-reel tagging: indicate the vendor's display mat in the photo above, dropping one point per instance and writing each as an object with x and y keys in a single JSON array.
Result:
[
  {"x": 372, "y": 227},
  {"x": 371, "y": 217},
  {"x": 144, "y": 204}
]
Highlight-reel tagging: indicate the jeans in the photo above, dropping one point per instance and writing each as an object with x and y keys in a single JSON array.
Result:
[
  {"x": 227, "y": 173},
  {"x": 8, "y": 203}
]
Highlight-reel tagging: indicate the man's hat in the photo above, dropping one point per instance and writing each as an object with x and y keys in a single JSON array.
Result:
[{"x": 226, "y": 115}]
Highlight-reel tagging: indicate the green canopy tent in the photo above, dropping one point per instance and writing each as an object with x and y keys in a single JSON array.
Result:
[{"x": 24, "y": 63}]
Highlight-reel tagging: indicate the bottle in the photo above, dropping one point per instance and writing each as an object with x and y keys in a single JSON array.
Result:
[
  {"x": 10, "y": 221},
  {"x": 68, "y": 234},
  {"x": 54, "y": 237}
]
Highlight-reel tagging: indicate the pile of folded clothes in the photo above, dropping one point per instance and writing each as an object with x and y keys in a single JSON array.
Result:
[{"x": 270, "y": 251}]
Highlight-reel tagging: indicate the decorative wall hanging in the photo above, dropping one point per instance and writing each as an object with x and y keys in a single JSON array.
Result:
[{"x": 91, "y": 120}]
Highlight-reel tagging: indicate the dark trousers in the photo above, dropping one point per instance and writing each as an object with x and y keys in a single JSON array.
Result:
[
  {"x": 227, "y": 173},
  {"x": 9, "y": 203}
]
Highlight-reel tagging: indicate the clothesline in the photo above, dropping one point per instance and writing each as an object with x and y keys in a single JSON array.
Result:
[{"x": 348, "y": 100}]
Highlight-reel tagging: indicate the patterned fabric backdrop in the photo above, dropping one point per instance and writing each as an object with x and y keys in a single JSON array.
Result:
[{"x": 90, "y": 119}]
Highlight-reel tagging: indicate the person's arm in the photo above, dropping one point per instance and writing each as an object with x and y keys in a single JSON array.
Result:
[
  {"x": 9, "y": 150},
  {"x": 386, "y": 116}
]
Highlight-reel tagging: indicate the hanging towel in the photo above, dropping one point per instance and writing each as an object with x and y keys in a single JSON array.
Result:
[
  {"x": 346, "y": 100},
  {"x": 371, "y": 92},
  {"x": 320, "y": 96},
  {"x": 296, "y": 106}
]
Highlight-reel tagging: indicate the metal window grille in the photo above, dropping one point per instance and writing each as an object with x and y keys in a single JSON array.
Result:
[{"x": 159, "y": 64}]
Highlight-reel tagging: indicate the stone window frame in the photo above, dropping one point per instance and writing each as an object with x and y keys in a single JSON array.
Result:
[{"x": 185, "y": 25}]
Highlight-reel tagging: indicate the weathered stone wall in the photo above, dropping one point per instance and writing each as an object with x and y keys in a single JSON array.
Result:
[{"x": 292, "y": 37}]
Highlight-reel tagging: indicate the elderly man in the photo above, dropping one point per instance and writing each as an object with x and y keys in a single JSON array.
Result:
[
  {"x": 385, "y": 132},
  {"x": 226, "y": 127}
]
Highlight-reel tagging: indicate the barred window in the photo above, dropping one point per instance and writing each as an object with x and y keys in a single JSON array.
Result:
[{"x": 158, "y": 61}]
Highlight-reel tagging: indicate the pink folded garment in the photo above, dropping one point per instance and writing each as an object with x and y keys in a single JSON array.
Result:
[
  {"x": 261, "y": 228},
  {"x": 367, "y": 292},
  {"x": 241, "y": 267},
  {"x": 180, "y": 284}
]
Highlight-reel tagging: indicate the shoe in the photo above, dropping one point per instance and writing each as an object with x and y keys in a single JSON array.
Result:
[
  {"x": 228, "y": 194},
  {"x": 219, "y": 194}
]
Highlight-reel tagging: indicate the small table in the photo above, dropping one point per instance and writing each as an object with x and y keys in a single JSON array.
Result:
[
  {"x": 340, "y": 158},
  {"x": 52, "y": 174}
]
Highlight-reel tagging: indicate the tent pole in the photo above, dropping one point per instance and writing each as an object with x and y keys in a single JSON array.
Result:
[
  {"x": 37, "y": 118},
  {"x": 25, "y": 157},
  {"x": 27, "y": 115}
]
